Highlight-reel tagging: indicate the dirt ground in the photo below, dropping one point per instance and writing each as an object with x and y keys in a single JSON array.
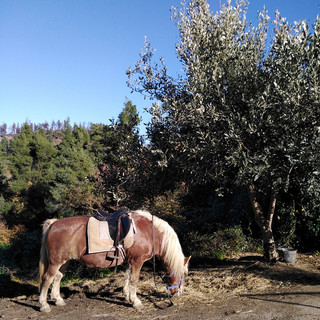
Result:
[{"x": 239, "y": 288}]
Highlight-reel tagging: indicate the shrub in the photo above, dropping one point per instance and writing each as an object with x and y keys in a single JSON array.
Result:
[{"x": 217, "y": 245}]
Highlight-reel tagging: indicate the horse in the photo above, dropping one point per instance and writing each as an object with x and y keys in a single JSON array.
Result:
[{"x": 65, "y": 239}]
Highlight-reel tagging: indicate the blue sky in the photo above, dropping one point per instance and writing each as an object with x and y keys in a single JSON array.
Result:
[{"x": 64, "y": 59}]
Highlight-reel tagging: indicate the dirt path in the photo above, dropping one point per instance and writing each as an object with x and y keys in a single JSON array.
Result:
[{"x": 240, "y": 288}]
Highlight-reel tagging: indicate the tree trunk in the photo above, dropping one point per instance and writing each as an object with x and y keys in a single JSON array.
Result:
[{"x": 265, "y": 224}]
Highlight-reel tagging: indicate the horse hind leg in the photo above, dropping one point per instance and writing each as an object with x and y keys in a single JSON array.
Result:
[
  {"x": 46, "y": 281},
  {"x": 55, "y": 291}
]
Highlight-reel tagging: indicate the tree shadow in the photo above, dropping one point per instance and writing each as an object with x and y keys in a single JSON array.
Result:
[
  {"x": 209, "y": 263},
  {"x": 158, "y": 299},
  {"x": 11, "y": 289},
  {"x": 112, "y": 299},
  {"x": 107, "y": 296},
  {"x": 291, "y": 273},
  {"x": 272, "y": 297},
  {"x": 27, "y": 304}
]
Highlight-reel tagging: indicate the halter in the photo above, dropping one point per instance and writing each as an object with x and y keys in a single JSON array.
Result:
[{"x": 175, "y": 286}]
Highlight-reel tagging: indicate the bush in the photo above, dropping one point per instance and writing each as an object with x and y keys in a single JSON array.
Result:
[
  {"x": 217, "y": 245},
  {"x": 23, "y": 252}
]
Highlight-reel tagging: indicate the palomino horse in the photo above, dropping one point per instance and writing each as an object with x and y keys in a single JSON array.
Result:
[{"x": 65, "y": 239}]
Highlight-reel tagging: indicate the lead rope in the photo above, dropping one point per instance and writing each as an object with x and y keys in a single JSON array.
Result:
[
  {"x": 117, "y": 255},
  {"x": 154, "y": 256}
]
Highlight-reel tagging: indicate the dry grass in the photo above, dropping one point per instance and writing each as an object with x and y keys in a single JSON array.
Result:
[
  {"x": 212, "y": 292},
  {"x": 244, "y": 274}
]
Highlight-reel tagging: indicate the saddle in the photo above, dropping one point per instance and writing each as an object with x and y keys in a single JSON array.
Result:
[
  {"x": 119, "y": 223},
  {"x": 111, "y": 233}
]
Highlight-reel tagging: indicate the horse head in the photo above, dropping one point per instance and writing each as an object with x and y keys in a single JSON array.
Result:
[{"x": 175, "y": 280}]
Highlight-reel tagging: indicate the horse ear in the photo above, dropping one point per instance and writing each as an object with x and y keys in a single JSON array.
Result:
[{"x": 186, "y": 260}]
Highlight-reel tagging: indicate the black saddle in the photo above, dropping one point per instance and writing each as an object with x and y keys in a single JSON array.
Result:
[{"x": 119, "y": 223}]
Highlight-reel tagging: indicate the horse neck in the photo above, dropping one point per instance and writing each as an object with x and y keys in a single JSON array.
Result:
[
  {"x": 169, "y": 249},
  {"x": 166, "y": 242}
]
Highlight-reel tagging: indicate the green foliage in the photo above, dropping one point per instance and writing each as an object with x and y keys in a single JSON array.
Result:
[
  {"x": 217, "y": 245},
  {"x": 219, "y": 255},
  {"x": 123, "y": 159},
  {"x": 286, "y": 224},
  {"x": 57, "y": 173},
  {"x": 42, "y": 176},
  {"x": 96, "y": 147},
  {"x": 307, "y": 216},
  {"x": 19, "y": 253},
  {"x": 25, "y": 250},
  {"x": 5, "y": 206},
  {"x": 241, "y": 114},
  {"x": 129, "y": 116},
  {"x": 4, "y": 248}
]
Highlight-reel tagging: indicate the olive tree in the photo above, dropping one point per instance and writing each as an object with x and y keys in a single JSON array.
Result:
[{"x": 245, "y": 111}]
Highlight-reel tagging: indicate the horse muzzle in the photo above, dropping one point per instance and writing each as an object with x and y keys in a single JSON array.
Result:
[
  {"x": 177, "y": 293},
  {"x": 175, "y": 290}
]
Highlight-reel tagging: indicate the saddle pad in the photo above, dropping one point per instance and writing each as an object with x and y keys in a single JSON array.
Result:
[{"x": 99, "y": 239}]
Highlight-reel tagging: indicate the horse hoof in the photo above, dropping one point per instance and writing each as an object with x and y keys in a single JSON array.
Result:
[
  {"x": 45, "y": 308},
  {"x": 60, "y": 303},
  {"x": 138, "y": 305}
]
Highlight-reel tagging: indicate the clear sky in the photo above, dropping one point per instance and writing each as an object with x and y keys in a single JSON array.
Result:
[{"x": 64, "y": 59}]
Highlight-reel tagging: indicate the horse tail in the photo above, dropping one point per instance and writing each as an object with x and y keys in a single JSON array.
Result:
[{"x": 44, "y": 261}]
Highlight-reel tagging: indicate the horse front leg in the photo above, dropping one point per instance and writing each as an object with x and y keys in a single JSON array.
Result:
[{"x": 130, "y": 287}]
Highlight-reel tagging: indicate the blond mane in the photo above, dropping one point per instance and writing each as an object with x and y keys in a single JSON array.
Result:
[{"x": 170, "y": 246}]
